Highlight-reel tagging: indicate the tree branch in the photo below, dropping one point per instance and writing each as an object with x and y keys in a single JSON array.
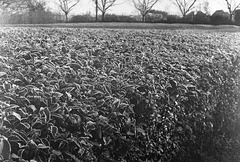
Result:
[{"x": 185, "y": 5}]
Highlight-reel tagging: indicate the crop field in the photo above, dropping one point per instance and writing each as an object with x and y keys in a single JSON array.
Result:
[
  {"x": 119, "y": 95},
  {"x": 121, "y": 25}
]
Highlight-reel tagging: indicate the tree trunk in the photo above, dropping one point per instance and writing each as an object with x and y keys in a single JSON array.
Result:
[
  {"x": 103, "y": 16},
  {"x": 66, "y": 17},
  {"x": 231, "y": 17},
  {"x": 143, "y": 18},
  {"x": 184, "y": 18},
  {"x": 96, "y": 1}
]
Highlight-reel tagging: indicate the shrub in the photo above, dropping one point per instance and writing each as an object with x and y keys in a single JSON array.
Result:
[
  {"x": 118, "y": 18},
  {"x": 173, "y": 18},
  {"x": 156, "y": 16},
  {"x": 201, "y": 18},
  {"x": 237, "y": 17},
  {"x": 220, "y": 17},
  {"x": 81, "y": 18},
  {"x": 36, "y": 17},
  {"x": 108, "y": 18},
  {"x": 189, "y": 18}
]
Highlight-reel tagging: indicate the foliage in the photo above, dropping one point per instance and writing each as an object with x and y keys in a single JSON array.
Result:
[
  {"x": 72, "y": 95},
  {"x": 189, "y": 18},
  {"x": 37, "y": 17},
  {"x": 220, "y": 17},
  {"x": 173, "y": 19},
  {"x": 237, "y": 17},
  {"x": 232, "y": 6},
  {"x": 156, "y": 16},
  {"x": 119, "y": 18},
  {"x": 81, "y": 18},
  {"x": 12, "y": 5},
  {"x": 108, "y": 18},
  {"x": 196, "y": 18},
  {"x": 201, "y": 18}
]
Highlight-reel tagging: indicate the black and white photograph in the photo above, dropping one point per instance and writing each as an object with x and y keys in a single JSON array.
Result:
[{"x": 119, "y": 80}]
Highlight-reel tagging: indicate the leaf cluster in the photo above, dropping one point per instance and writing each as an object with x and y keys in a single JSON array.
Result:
[{"x": 118, "y": 95}]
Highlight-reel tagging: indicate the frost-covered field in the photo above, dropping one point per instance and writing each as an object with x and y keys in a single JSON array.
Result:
[{"x": 119, "y": 95}]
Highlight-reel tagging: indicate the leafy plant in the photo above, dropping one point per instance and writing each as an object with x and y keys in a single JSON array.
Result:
[{"x": 118, "y": 95}]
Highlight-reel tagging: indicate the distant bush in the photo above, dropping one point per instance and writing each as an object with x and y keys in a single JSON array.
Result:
[
  {"x": 81, "y": 18},
  {"x": 36, "y": 17},
  {"x": 237, "y": 17},
  {"x": 111, "y": 17},
  {"x": 201, "y": 18},
  {"x": 220, "y": 17},
  {"x": 189, "y": 18},
  {"x": 172, "y": 19},
  {"x": 196, "y": 18},
  {"x": 156, "y": 16},
  {"x": 33, "y": 17},
  {"x": 119, "y": 18},
  {"x": 108, "y": 18}
]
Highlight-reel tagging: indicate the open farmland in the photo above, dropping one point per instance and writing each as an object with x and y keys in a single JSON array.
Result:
[
  {"x": 119, "y": 95},
  {"x": 119, "y": 25}
]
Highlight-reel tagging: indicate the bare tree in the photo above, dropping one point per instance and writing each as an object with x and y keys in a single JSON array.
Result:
[
  {"x": 185, "y": 6},
  {"x": 144, "y": 6},
  {"x": 206, "y": 7},
  {"x": 103, "y": 6},
  {"x": 96, "y": 10},
  {"x": 33, "y": 5},
  {"x": 66, "y": 6},
  {"x": 21, "y": 5},
  {"x": 36, "y": 11},
  {"x": 4, "y": 4},
  {"x": 32, "y": 11},
  {"x": 232, "y": 6},
  {"x": 12, "y": 5}
]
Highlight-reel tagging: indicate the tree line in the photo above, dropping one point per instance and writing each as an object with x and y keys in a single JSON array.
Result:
[{"x": 36, "y": 11}]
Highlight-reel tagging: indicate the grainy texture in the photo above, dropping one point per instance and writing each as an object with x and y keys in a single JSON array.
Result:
[
  {"x": 120, "y": 94},
  {"x": 162, "y": 26}
]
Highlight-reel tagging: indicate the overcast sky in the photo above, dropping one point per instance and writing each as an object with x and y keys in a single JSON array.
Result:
[{"x": 126, "y": 7}]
